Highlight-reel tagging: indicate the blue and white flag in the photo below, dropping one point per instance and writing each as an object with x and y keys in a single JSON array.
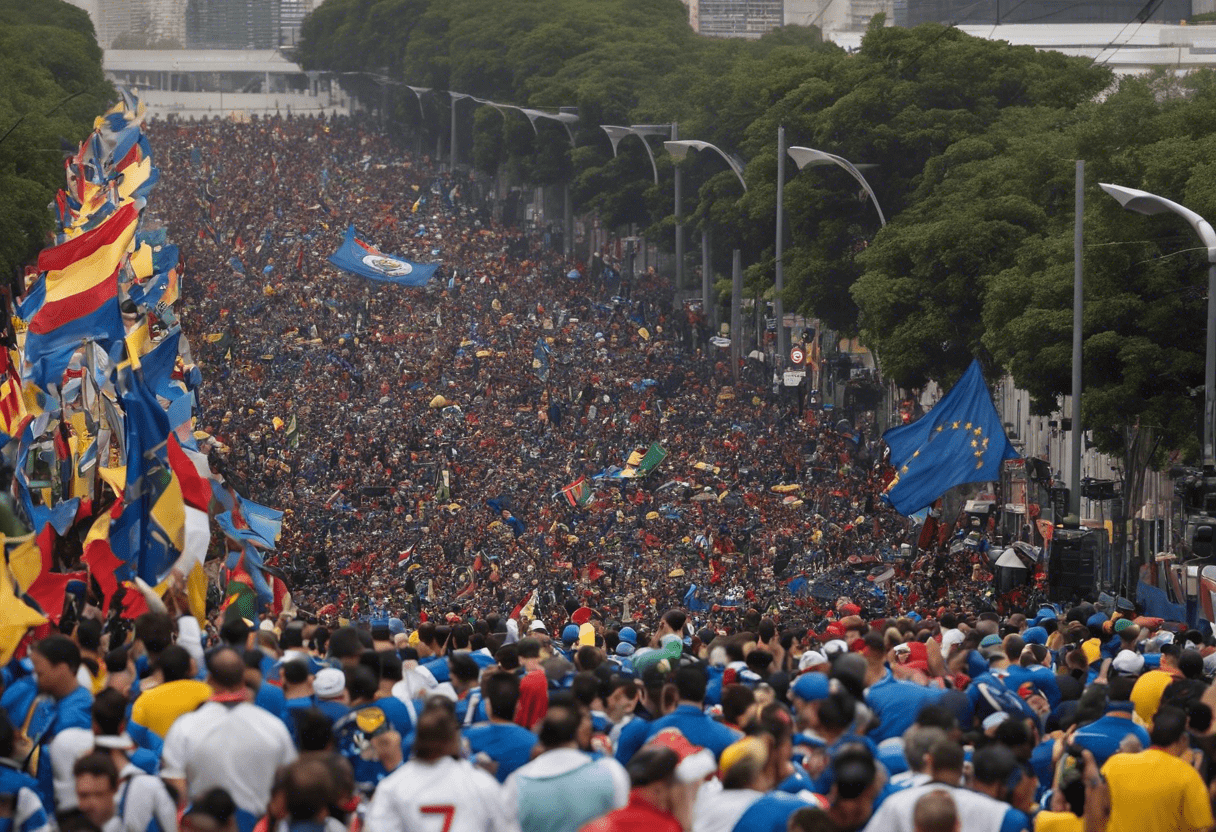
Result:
[{"x": 360, "y": 257}]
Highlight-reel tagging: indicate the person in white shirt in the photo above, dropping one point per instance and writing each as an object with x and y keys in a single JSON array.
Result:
[
  {"x": 96, "y": 787},
  {"x": 564, "y": 788},
  {"x": 227, "y": 743},
  {"x": 436, "y": 789}
]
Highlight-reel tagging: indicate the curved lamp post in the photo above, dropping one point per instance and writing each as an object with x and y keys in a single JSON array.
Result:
[
  {"x": 679, "y": 150},
  {"x": 1143, "y": 202},
  {"x": 806, "y": 157}
]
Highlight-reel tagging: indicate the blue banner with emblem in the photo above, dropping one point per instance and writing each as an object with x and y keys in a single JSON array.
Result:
[{"x": 360, "y": 257}]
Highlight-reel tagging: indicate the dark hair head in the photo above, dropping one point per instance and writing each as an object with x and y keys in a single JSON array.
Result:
[
  {"x": 117, "y": 660},
  {"x": 216, "y": 803},
  {"x": 59, "y": 649},
  {"x": 345, "y": 643},
  {"x": 1169, "y": 726},
  {"x": 174, "y": 663},
  {"x": 314, "y": 729},
  {"x": 651, "y": 764},
  {"x": 436, "y": 733},
  {"x": 501, "y": 693},
  {"x": 855, "y": 771},
  {"x": 736, "y": 699},
  {"x": 309, "y": 789},
  {"x": 88, "y": 634},
  {"x": 361, "y": 683},
  {"x": 109, "y": 712},
  {"x": 97, "y": 764},
  {"x": 529, "y": 648},
  {"x": 947, "y": 755},
  {"x": 560, "y": 726},
  {"x": 1190, "y": 664},
  {"x": 691, "y": 683},
  {"x": 234, "y": 632},
  {"x": 294, "y": 671},
  {"x": 462, "y": 667},
  {"x": 6, "y": 735},
  {"x": 155, "y": 630},
  {"x": 507, "y": 656},
  {"x": 994, "y": 764}
]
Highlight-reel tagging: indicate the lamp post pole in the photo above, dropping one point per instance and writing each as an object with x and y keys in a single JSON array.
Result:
[
  {"x": 679, "y": 197},
  {"x": 1074, "y": 480},
  {"x": 1143, "y": 202},
  {"x": 707, "y": 268},
  {"x": 779, "y": 276},
  {"x": 736, "y": 312}
]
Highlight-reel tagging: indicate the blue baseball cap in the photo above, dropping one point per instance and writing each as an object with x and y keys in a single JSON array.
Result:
[
  {"x": 396, "y": 626},
  {"x": 630, "y": 635},
  {"x": 1035, "y": 635},
  {"x": 990, "y": 641},
  {"x": 570, "y": 633},
  {"x": 811, "y": 687},
  {"x": 1096, "y": 620}
]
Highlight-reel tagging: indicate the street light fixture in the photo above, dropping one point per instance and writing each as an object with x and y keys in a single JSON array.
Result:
[
  {"x": 1143, "y": 202},
  {"x": 806, "y": 157},
  {"x": 679, "y": 150}
]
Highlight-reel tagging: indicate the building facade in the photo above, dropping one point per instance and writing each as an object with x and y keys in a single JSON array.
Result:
[
  {"x": 232, "y": 24},
  {"x": 1039, "y": 11}
]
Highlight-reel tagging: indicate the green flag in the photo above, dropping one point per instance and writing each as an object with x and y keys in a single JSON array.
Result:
[
  {"x": 653, "y": 457},
  {"x": 293, "y": 433}
]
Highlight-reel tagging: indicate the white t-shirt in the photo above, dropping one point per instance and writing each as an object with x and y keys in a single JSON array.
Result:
[
  {"x": 234, "y": 747},
  {"x": 69, "y": 745},
  {"x": 446, "y": 795},
  {"x": 141, "y": 797}
]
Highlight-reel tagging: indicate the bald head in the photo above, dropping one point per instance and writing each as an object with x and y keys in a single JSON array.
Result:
[
  {"x": 935, "y": 812},
  {"x": 226, "y": 670}
]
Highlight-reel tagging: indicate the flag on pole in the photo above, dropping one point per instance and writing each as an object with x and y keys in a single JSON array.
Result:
[
  {"x": 404, "y": 558},
  {"x": 651, "y": 460},
  {"x": 293, "y": 433},
  {"x": 577, "y": 493}
]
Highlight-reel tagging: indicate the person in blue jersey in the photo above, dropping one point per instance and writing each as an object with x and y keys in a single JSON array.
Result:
[
  {"x": 386, "y": 667},
  {"x": 690, "y": 717},
  {"x": 825, "y": 708},
  {"x": 506, "y": 745},
  {"x": 297, "y": 691},
  {"x": 659, "y": 698},
  {"x": 989, "y": 691},
  {"x": 42, "y": 705},
  {"x": 329, "y": 690},
  {"x": 1109, "y": 733},
  {"x": 265, "y": 695},
  {"x": 1034, "y": 666},
  {"x": 895, "y": 702},
  {"x": 465, "y": 683},
  {"x": 750, "y": 769},
  {"x": 18, "y": 790}
]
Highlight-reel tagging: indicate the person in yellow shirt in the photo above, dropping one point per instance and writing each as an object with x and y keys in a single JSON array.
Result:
[
  {"x": 1155, "y": 790},
  {"x": 155, "y": 711},
  {"x": 1146, "y": 695}
]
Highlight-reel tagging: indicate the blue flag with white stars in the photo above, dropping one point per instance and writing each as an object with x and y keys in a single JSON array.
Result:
[{"x": 961, "y": 440}]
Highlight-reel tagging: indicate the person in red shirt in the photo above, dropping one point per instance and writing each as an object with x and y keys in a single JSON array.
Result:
[
  {"x": 665, "y": 775},
  {"x": 533, "y": 685}
]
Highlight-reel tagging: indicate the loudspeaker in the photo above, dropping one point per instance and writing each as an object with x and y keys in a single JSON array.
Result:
[{"x": 1072, "y": 565}]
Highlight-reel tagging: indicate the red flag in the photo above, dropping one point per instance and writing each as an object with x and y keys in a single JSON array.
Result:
[
  {"x": 195, "y": 490},
  {"x": 49, "y": 591}
]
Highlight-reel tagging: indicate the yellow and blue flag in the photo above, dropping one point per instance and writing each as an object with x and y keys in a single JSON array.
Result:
[{"x": 961, "y": 440}]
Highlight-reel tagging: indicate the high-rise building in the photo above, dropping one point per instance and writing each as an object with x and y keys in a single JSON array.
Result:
[
  {"x": 232, "y": 24},
  {"x": 737, "y": 18},
  {"x": 1041, "y": 11}
]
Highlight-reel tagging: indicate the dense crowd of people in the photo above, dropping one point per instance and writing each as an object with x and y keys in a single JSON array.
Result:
[{"x": 492, "y": 628}]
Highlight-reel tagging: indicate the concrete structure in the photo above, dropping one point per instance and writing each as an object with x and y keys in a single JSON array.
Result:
[
  {"x": 736, "y": 18},
  {"x": 993, "y": 12},
  {"x": 198, "y": 83},
  {"x": 1128, "y": 50},
  {"x": 232, "y": 24}
]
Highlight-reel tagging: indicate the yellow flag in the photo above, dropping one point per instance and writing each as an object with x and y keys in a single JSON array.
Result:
[{"x": 16, "y": 618}]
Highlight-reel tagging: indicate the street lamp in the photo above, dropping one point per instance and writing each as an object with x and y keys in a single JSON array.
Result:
[
  {"x": 803, "y": 157},
  {"x": 806, "y": 157},
  {"x": 672, "y": 131},
  {"x": 1142, "y": 202},
  {"x": 679, "y": 150}
]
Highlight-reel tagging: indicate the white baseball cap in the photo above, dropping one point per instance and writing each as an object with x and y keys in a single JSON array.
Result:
[
  {"x": 538, "y": 625},
  {"x": 329, "y": 683}
]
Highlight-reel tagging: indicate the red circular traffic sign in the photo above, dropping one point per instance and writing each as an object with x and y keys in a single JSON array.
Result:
[{"x": 796, "y": 355}]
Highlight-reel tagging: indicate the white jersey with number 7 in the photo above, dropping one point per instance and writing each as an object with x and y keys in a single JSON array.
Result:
[{"x": 446, "y": 795}]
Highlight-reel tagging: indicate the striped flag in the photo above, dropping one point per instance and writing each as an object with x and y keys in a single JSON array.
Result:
[
  {"x": 404, "y": 558},
  {"x": 577, "y": 493}
]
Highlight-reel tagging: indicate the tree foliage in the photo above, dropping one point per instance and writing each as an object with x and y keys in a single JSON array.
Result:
[
  {"x": 971, "y": 144},
  {"x": 51, "y": 88}
]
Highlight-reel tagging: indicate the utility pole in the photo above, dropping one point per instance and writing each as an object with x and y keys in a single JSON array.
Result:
[
  {"x": 736, "y": 312},
  {"x": 779, "y": 277},
  {"x": 1074, "y": 479},
  {"x": 679, "y": 188}
]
